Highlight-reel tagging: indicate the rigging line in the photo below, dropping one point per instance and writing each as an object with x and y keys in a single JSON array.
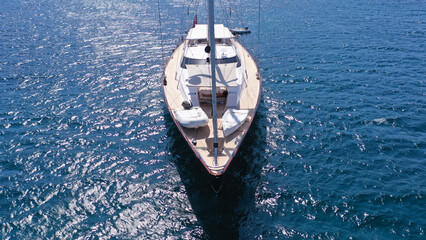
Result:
[
  {"x": 230, "y": 13},
  {"x": 188, "y": 23},
  {"x": 183, "y": 16},
  {"x": 223, "y": 9},
  {"x": 220, "y": 10},
  {"x": 161, "y": 33},
  {"x": 258, "y": 34},
  {"x": 187, "y": 16},
  {"x": 234, "y": 8},
  {"x": 197, "y": 4},
  {"x": 191, "y": 5}
]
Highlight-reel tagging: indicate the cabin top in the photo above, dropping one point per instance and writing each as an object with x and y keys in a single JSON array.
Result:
[
  {"x": 200, "y": 75},
  {"x": 200, "y": 31}
]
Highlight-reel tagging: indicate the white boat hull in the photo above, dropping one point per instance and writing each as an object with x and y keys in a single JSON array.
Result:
[{"x": 199, "y": 139}]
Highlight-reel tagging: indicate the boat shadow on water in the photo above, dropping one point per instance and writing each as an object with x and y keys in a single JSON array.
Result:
[{"x": 222, "y": 205}]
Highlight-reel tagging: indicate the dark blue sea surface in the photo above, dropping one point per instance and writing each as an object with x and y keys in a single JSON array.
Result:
[{"x": 88, "y": 149}]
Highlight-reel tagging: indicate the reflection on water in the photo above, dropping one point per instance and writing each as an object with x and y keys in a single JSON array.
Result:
[{"x": 88, "y": 151}]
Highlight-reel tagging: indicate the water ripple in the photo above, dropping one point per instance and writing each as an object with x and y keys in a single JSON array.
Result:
[{"x": 88, "y": 150}]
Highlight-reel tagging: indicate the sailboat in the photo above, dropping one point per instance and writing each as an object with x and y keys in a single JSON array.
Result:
[{"x": 211, "y": 86}]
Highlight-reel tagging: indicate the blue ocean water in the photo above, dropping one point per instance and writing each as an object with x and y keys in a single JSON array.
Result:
[{"x": 89, "y": 151}]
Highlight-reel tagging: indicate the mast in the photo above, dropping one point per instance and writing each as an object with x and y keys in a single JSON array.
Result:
[{"x": 213, "y": 73}]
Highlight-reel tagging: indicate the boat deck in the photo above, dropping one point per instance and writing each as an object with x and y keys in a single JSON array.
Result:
[{"x": 202, "y": 147}]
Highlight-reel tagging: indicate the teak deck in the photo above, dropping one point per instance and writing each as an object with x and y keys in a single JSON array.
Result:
[{"x": 249, "y": 100}]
